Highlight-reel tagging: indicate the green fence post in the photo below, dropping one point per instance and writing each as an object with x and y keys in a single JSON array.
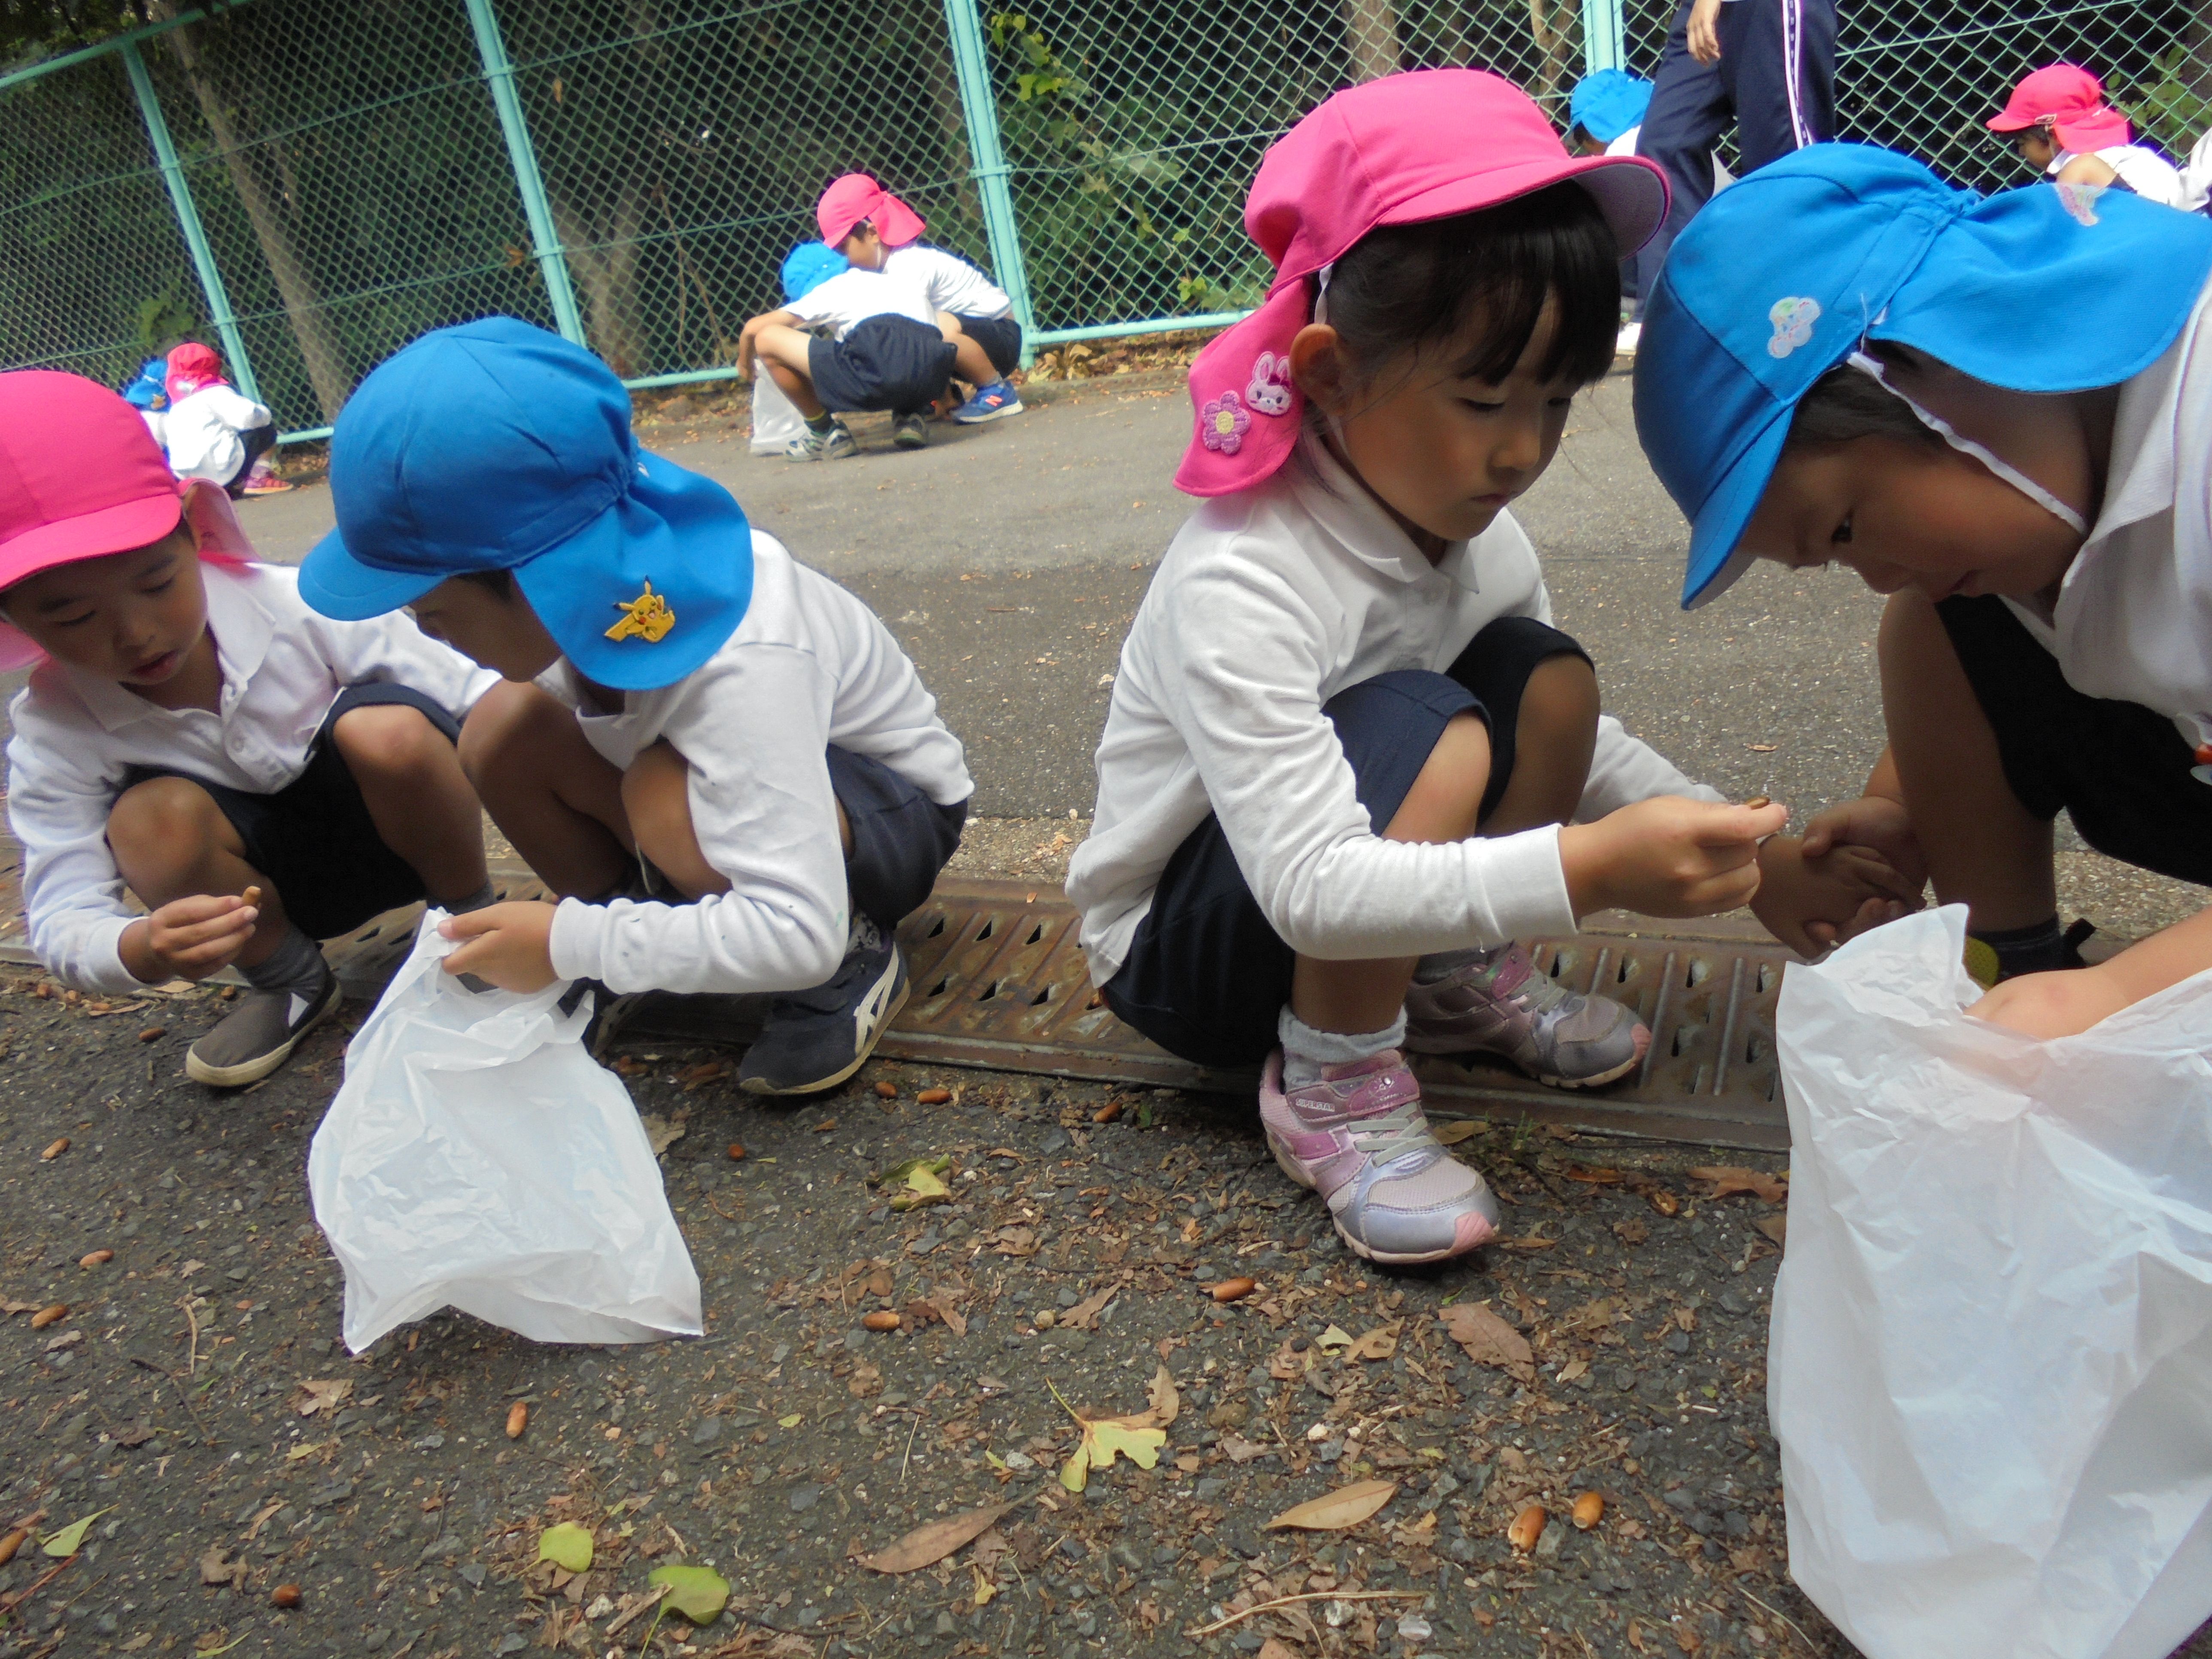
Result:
[
  {"x": 988, "y": 162},
  {"x": 1604, "y": 36},
  {"x": 188, "y": 221},
  {"x": 499, "y": 76}
]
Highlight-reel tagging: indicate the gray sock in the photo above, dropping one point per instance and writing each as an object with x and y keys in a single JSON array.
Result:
[
  {"x": 476, "y": 901},
  {"x": 1306, "y": 1051},
  {"x": 296, "y": 965},
  {"x": 1444, "y": 963}
]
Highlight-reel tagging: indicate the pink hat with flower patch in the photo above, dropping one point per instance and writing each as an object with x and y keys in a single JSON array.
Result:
[{"x": 1428, "y": 144}]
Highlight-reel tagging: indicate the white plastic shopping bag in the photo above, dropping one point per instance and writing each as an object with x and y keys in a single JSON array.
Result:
[
  {"x": 476, "y": 1157},
  {"x": 1992, "y": 1361},
  {"x": 776, "y": 420}
]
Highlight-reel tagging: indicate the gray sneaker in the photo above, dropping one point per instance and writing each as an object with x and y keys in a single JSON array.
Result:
[
  {"x": 911, "y": 431},
  {"x": 835, "y": 445},
  {"x": 1499, "y": 1004},
  {"x": 259, "y": 1034},
  {"x": 814, "y": 1040}
]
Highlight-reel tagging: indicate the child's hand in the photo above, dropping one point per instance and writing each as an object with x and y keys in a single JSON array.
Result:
[
  {"x": 509, "y": 945},
  {"x": 1668, "y": 856},
  {"x": 191, "y": 938},
  {"x": 2054, "y": 1005},
  {"x": 1810, "y": 903},
  {"x": 1871, "y": 821}
]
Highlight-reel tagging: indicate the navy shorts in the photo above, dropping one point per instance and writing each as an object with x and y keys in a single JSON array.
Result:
[
  {"x": 901, "y": 838},
  {"x": 885, "y": 362},
  {"x": 1207, "y": 974},
  {"x": 2121, "y": 771},
  {"x": 313, "y": 839},
  {"x": 1000, "y": 337}
]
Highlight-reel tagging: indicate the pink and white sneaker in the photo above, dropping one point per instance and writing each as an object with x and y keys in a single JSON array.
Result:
[
  {"x": 1358, "y": 1138},
  {"x": 1500, "y": 1002}
]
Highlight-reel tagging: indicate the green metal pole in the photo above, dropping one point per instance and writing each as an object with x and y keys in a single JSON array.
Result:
[
  {"x": 1604, "y": 36},
  {"x": 499, "y": 76},
  {"x": 188, "y": 221},
  {"x": 989, "y": 160}
]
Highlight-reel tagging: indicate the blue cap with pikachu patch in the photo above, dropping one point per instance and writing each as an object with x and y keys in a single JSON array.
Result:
[
  {"x": 497, "y": 446},
  {"x": 1785, "y": 275}
]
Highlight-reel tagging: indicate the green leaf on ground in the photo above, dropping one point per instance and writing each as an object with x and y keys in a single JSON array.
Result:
[
  {"x": 568, "y": 1547},
  {"x": 699, "y": 1593},
  {"x": 70, "y": 1539}
]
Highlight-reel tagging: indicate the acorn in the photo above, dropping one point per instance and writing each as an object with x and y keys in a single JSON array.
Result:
[
  {"x": 518, "y": 1418},
  {"x": 1233, "y": 1290},
  {"x": 1527, "y": 1527},
  {"x": 1589, "y": 1509}
]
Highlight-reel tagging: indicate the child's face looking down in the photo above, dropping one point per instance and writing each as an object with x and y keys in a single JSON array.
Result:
[
  {"x": 863, "y": 247},
  {"x": 1442, "y": 450},
  {"x": 497, "y": 629},
  {"x": 131, "y": 617},
  {"x": 2037, "y": 148}
]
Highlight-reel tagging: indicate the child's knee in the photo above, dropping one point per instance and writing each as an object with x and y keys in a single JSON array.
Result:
[
  {"x": 511, "y": 728},
  {"x": 163, "y": 825},
  {"x": 390, "y": 742},
  {"x": 1562, "y": 691}
]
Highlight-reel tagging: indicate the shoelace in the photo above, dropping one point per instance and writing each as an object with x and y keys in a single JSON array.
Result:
[
  {"x": 1394, "y": 1134},
  {"x": 1513, "y": 977}
]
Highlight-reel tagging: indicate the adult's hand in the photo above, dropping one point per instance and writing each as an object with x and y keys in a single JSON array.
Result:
[{"x": 1704, "y": 30}]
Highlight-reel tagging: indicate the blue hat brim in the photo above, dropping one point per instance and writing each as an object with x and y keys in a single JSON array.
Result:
[
  {"x": 339, "y": 586},
  {"x": 1717, "y": 558}
]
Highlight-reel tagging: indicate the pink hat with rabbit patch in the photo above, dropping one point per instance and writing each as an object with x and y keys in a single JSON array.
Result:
[{"x": 1428, "y": 144}]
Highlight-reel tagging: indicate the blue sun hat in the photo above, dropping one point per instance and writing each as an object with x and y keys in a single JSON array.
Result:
[
  {"x": 1607, "y": 102},
  {"x": 1783, "y": 276},
  {"x": 809, "y": 265},
  {"x": 497, "y": 446},
  {"x": 150, "y": 389}
]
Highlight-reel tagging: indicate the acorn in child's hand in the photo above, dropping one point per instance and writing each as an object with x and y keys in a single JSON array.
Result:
[
  {"x": 251, "y": 895},
  {"x": 1758, "y": 801}
]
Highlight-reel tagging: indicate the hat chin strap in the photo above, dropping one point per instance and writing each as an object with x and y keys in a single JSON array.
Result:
[{"x": 2005, "y": 469}]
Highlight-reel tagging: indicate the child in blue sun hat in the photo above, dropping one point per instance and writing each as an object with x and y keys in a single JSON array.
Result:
[
  {"x": 721, "y": 761},
  {"x": 1605, "y": 109},
  {"x": 1847, "y": 361}
]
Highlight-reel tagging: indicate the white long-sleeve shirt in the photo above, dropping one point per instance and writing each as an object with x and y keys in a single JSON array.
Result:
[
  {"x": 947, "y": 282},
  {"x": 76, "y": 738},
  {"x": 809, "y": 666},
  {"x": 202, "y": 433},
  {"x": 1268, "y": 603}
]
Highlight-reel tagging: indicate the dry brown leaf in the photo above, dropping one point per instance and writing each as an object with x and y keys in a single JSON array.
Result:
[
  {"x": 1450, "y": 1134},
  {"x": 1488, "y": 1340},
  {"x": 1728, "y": 1178},
  {"x": 660, "y": 1134},
  {"x": 1271, "y": 1649},
  {"x": 321, "y": 1393},
  {"x": 1236, "y": 1451},
  {"x": 1287, "y": 1364},
  {"x": 1083, "y": 1316},
  {"x": 217, "y": 1568},
  {"x": 1573, "y": 1368},
  {"x": 1166, "y": 1403},
  {"x": 1378, "y": 1344},
  {"x": 1347, "y": 1506},
  {"x": 865, "y": 1380},
  {"x": 1776, "y": 1227},
  {"x": 1600, "y": 1177},
  {"x": 955, "y": 1321},
  {"x": 1015, "y": 1241},
  {"x": 926, "y": 1545}
]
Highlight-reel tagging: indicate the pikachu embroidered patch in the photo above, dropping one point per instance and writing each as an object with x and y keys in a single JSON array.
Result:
[{"x": 646, "y": 617}]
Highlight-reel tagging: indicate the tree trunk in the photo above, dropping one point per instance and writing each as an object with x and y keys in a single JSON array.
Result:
[
  {"x": 319, "y": 351},
  {"x": 1373, "y": 28},
  {"x": 603, "y": 260}
]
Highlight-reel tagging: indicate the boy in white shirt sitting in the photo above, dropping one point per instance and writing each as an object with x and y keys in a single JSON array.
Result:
[
  {"x": 720, "y": 760},
  {"x": 877, "y": 231},
  {"x": 848, "y": 339}
]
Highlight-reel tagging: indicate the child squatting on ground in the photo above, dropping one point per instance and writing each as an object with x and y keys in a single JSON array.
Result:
[
  {"x": 721, "y": 761},
  {"x": 878, "y": 232},
  {"x": 2058, "y": 119},
  {"x": 1849, "y": 362},
  {"x": 1344, "y": 735},
  {"x": 847, "y": 339},
  {"x": 212, "y": 431},
  {"x": 260, "y": 777}
]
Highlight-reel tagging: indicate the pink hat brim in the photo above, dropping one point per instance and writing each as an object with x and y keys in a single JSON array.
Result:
[{"x": 1250, "y": 441}]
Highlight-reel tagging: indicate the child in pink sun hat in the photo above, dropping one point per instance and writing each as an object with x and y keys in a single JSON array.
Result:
[
  {"x": 2058, "y": 120},
  {"x": 1348, "y": 759}
]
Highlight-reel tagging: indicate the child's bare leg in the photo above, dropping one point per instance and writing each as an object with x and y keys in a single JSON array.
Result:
[
  {"x": 411, "y": 780},
  {"x": 552, "y": 795},
  {"x": 1554, "y": 736},
  {"x": 170, "y": 841},
  {"x": 656, "y": 795},
  {"x": 971, "y": 362},
  {"x": 1984, "y": 847},
  {"x": 785, "y": 352},
  {"x": 1354, "y": 996}
]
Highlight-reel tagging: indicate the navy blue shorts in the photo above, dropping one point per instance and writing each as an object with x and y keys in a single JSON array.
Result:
[
  {"x": 885, "y": 362},
  {"x": 2122, "y": 771},
  {"x": 313, "y": 839},
  {"x": 1207, "y": 973},
  {"x": 1000, "y": 337},
  {"x": 901, "y": 838}
]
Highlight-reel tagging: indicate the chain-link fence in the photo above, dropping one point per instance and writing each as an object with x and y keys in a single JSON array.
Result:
[{"x": 309, "y": 186}]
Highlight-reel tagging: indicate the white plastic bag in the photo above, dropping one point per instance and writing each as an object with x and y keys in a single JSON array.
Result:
[
  {"x": 776, "y": 420},
  {"x": 478, "y": 1157},
  {"x": 1991, "y": 1362}
]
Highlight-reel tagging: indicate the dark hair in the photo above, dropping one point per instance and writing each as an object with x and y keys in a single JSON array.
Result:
[
  {"x": 1405, "y": 286},
  {"x": 500, "y": 583},
  {"x": 1848, "y": 403}
]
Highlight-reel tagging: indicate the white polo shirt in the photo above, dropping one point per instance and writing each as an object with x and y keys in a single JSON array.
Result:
[
  {"x": 1268, "y": 603},
  {"x": 840, "y": 304},
  {"x": 77, "y": 737},
  {"x": 2143, "y": 171},
  {"x": 948, "y": 282},
  {"x": 809, "y": 666}
]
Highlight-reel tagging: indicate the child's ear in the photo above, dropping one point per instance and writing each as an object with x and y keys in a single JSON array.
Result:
[{"x": 1321, "y": 368}]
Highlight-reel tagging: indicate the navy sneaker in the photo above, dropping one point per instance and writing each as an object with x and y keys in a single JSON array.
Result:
[
  {"x": 814, "y": 1040},
  {"x": 991, "y": 402},
  {"x": 911, "y": 431}
]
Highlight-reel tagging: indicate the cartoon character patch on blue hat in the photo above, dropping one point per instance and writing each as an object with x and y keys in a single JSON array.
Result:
[{"x": 646, "y": 617}]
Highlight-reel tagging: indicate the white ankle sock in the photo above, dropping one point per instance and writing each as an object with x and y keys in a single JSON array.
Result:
[{"x": 1306, "y": 1051}]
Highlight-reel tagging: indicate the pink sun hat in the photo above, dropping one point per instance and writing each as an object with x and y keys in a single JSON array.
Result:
[
  {"x": 2068, "y": 102},
  {"x": 80, "y": 478},
  {"x": 856, "y": 196},
  {"x": 1427, "y": 144}
]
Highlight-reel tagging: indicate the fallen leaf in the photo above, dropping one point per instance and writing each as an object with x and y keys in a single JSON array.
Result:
[
  {"x": 1776, "y": 1227},
  {"x": 941, "y": 1305},
  {"x": 1083, "y": 1316},
  {"x": 1272, "y": 1649},
  {"x": 1015, "y": 1241},
  {"x": 1592, "y": 1178},
  {"x": 1334, "y": 1339},
  {"x": 1347, "y": 1506},
  {"x": 1728, "y": 1179},
  {"x": 1664, "y": 1202},
  {"x": 1166, "y": 1403},
  {"x": 1136, "y": 1437},
  {"x": 922, "y": 1177},
  {"x": 1573, "y": 1368},
  {"x": 660, "y": 1134},
  {"x": 70, "y": 1539},
  {"x": 567, "y": 1545},
  {"x": 1235, "y": 1450},
  {"x": 323, "y": 1393},
  {"x": 1378, "y": 1344},
  {"x": 699, "y": 1593},
  {"x": 1488, "y": 1340},
  {"x": 791, "y": 1421},
  {"x": 927, "y": 1545},
  {"x": 1450, "y": 1134},
  {"x": 217, "y": 1568},
  {"x": 866, "y": 1380}
]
